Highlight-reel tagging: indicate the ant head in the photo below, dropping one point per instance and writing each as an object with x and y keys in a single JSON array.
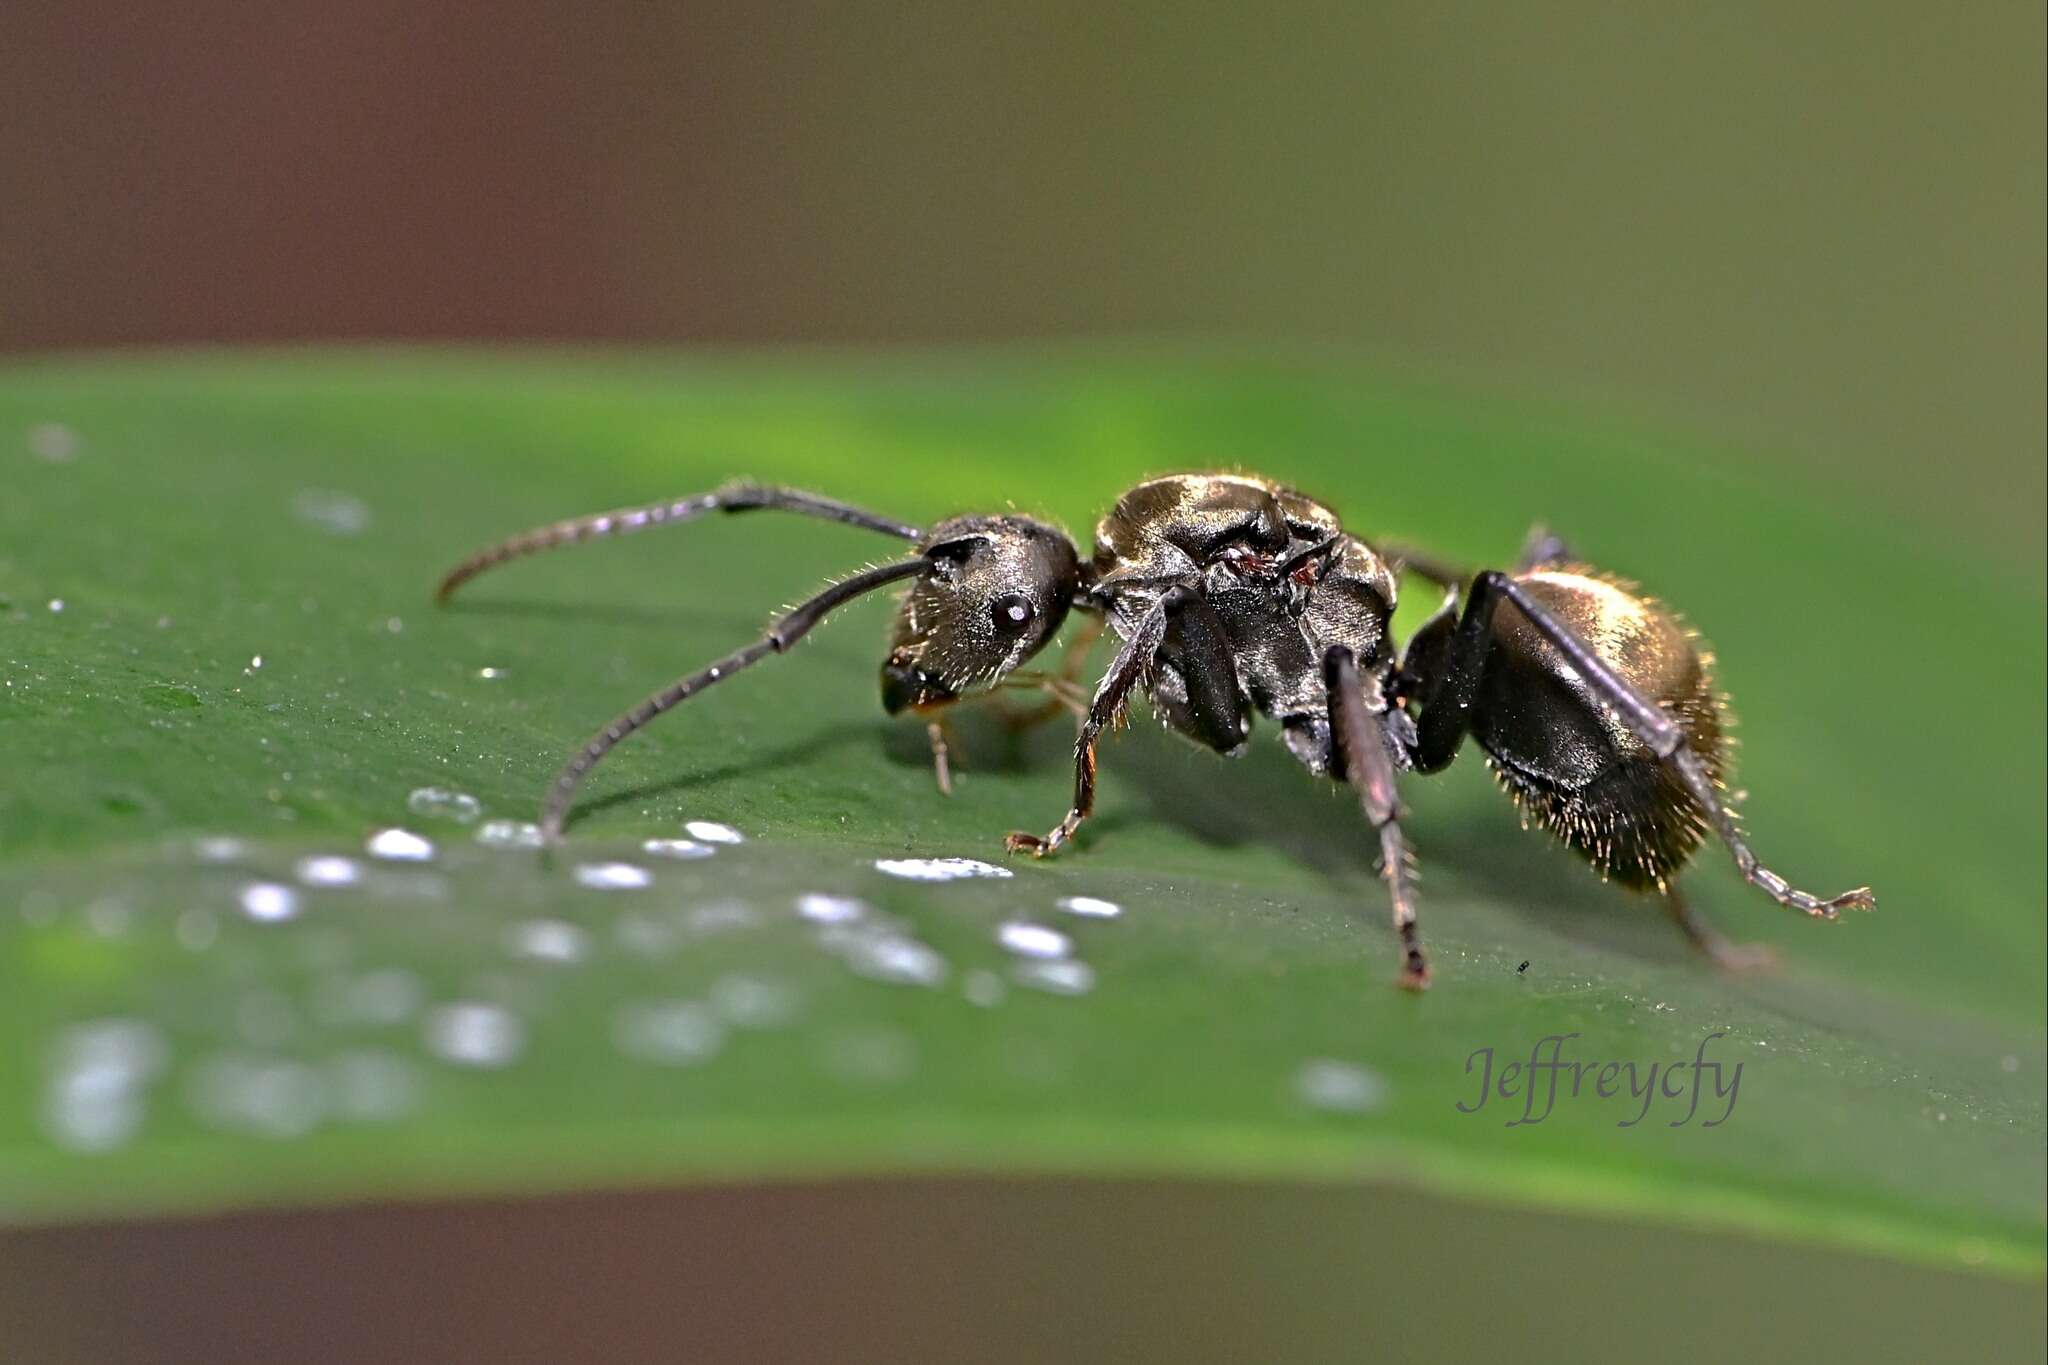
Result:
[{"x": 993, "y": 591}]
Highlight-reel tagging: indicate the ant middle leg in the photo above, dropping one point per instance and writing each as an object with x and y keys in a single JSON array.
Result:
[{"x": 1359, "y": 743}]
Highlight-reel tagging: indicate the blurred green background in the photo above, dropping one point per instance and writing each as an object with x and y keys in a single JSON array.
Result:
[{"x": 1812, "y": 232}]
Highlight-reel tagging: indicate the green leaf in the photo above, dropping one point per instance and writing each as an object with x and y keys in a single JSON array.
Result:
[{"x": 244, "y": 551}]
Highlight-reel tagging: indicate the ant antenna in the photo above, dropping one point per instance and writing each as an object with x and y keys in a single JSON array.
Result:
[
  {"x": 786, "y": 631},
  {"x": 738, "y": 497}
]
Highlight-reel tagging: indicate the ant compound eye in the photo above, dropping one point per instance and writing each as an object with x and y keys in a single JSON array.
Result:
[{"x": 1012, "y": 613}]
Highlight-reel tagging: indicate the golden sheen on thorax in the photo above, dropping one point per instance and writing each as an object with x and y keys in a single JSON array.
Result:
[{"x": 1232, "y": 597}]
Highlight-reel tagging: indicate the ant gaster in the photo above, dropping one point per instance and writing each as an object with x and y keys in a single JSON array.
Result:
[{"x": 1595, "y": 705}]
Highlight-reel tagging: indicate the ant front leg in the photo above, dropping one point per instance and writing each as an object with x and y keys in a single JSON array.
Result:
[
  {"x": 1358, "y": 736},
  {"x": 1129, "y": 672}
]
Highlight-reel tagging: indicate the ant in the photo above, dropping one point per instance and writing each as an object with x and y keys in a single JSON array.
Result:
[{"x": 1229, "y": 594}]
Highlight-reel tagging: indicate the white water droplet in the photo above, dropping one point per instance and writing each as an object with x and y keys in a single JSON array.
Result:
[
  {"x": 894, "y": 958},
  {"x": 132, "y": 1051},
  {"x": 613, "y": 876},
  {"x": 266, "y": 1096},
  {"x": 1033, "y": 940},
  {"x": 1055, "y": 976},
  {"x": 1346, "y": 1087},
  {"x": 939, "y": 869},
  {"x": 400, "y": 846},
  {"x": 720, "y": 917},
  {"x": 338, "y": 514},
  {"x": 56, "y": 604},
  {"x": 269, "y": 902},
  {"x": 329, "y": 870},
  {"x": 89, "y": 1111},
  {"x": 822, "y": 908},
  {"x": 711, "y": 832},
  {"x": 510, "y": 834},
  {"x": 667, "y": 1032},
  {"x": 53, "y": 443},
  {"x": 474, "y": 1033},
  {"x": 490, "y": 674},
  {"x": 1091, "y": 907},
  {"x": 439, "y": 803},
  {"x": 219, "y": 849},
  {"x": 753, "y": 1002},
  {"x": 369, "y": 1085},
  {"x": 93, "y": 1101},
  {"x": 681, "y": 849},
  {"x": 549, "y": 940},
  {"x": 983, "y": 987}
]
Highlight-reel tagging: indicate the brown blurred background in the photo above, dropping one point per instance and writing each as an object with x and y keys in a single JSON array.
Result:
[{"x": 1812, "y": 230}]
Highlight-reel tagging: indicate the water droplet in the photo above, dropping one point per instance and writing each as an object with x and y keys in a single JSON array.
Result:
[
  {"x": 871, "y": 1056},
  {"x": 109, "y": 917},
  {"x": 269, "y": 902},
  {"x": 753, "y": 1002},
  {"x": 266, "y": 1096},
  {"x": 820, "y": 908},
  {"x": 667, "y": 1032},
  {"x": 53, "y": 443},
  {"x": 510, "y": 834},
  {"x": 383, "y": 996},
  {"x": 130, "y": 1051},
  {"x": 938, "y": 869},
  {"x": 677, "y": 848},
  {"x": 474, "y": 1033},
  {"x": 983, "y": 987},
  {"x": 711, "y": 832},
  {"x": 338, "y": 514},
  {"x": 613, "y": 876},
  {"x": 549, "y": 940},
  {"x": 56, "y": 604},
  {"x": 1055, "y": 976},
  {"x": 372, "y": 1086},
  {"x": 1090, "y": 906},
  {"x": 197, "y": 929},
  {"x": 439, "y": 803},
  {"x": 894, "y": 958},
  {"x": 90, "y": 1111},
  {"x": 395, "y": 625},
  {"x": 647, "y": 935},
  {"x": 400, "y": 846},
  {"x": 721, "y": 916},
  {"x": 219, "y": 849},
  {"x": 1033, "y": 940},
  {"x": 490, "y": 674},
  {"x": 328, "y": 870},
  {"x": 255, "y": 662},
  {"x": 1322, "y": 1083}
]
